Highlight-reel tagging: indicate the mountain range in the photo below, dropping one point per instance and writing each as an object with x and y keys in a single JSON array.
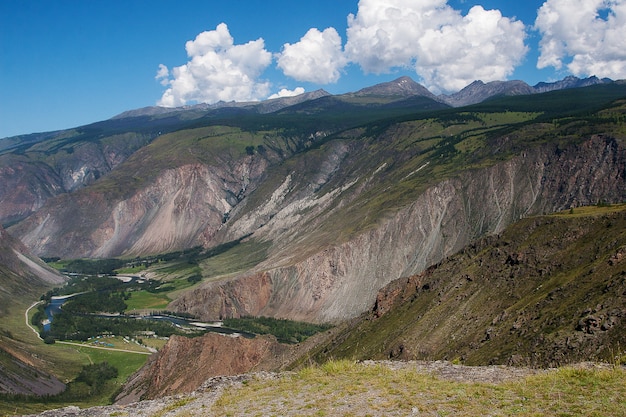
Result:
[
  {"x": 336, "y": 196},
  {"x": 379, "y": 211},
  {"x": 403, "y": 87}
]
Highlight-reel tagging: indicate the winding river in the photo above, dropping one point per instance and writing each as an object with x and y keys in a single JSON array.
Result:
[{"x": 57, "y": 302}]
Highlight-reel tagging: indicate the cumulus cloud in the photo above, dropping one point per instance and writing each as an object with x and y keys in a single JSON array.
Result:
[
  {"x": 288, "y": 93},
  {"x": 163, "y": 74},
  {"x": 318, "y": 57},
  {"x": 446, "y": 49},
  {"x": 587, "y": 36},
  {"x": 217, "y": 70}
]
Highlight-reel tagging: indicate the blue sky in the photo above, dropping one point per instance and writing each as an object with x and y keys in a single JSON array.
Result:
[{"x": 68, "y": 63}]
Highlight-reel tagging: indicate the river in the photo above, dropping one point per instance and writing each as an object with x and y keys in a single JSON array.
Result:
[
  {"x": 54, "y": 307},
  {"x": 56, "y": 303}
]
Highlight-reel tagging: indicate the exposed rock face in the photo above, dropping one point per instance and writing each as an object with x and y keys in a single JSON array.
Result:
[
  {"x": 18, "y": 376},
  {"x": 183, "y": 364},
  {"x": 25, "y": 187},
  {"x": 21, "y": 272},
  {"x": 183, "y": 207},
  {"x": 342, "y": 281},
  {"x": 27, "y": 183},
  {"x": 546, "y": 292}
]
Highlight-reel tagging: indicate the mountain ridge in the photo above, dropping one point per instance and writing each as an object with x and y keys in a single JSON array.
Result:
[
  {"x": 342, "y": 209},
  {"x": 402, "y": 87},
  {"x": 313, "y": 207}
]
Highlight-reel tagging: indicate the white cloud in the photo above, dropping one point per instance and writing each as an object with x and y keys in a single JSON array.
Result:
[
  {"x": 288, "y": 93},
  {"x": 318, "y": 57},
  {"x": 163, "y": 74},
  {"x": 447, "y": 50},
  {"x": 587, "y": 36},
  {"x": 217, "y": 70}
]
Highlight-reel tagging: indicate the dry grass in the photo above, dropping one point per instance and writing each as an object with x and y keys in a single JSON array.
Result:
[{"x": 351, "y": 389}]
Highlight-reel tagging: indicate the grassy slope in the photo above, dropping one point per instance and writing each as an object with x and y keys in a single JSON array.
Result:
[
  {"x": 347, "y": 388},
  {"x": 63, "y": 361},
  {"x": 518, "y": 298}
]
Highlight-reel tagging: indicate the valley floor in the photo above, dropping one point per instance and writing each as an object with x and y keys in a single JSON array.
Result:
[{"x": 393, "y": 388}]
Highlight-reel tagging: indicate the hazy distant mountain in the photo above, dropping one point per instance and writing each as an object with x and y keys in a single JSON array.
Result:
[
  {"x": 570, "y": 82},
  {"x": 400, "y": 88},
  {"x": 478, "y": 91},
  {"x": 265, "y": 106}
]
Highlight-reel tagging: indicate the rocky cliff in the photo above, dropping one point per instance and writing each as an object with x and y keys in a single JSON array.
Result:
[
  {"x": 173, "y": 371},
  {"x": 177, "y": 207},
  {"x": 340, "y": 281},
  {"x": 67, "y": 161},
  {"x": 547, "y": 291},
  {"x": 184, "y": 207}
]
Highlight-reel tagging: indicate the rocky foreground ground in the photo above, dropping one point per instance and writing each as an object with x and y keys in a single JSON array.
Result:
[{"x": 201, "y": 401}]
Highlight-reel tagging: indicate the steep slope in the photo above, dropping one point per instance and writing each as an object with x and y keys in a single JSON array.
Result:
[
  {"x": 35, "y": 172},
  {"x": 20, "y": 272},
  {"x": 173, "y": 371},
  {"x": 548, "y": 290},
  {"x": 358, "y": 225},
  {"x": 19, "y": 375},
  {"x": 188, "y": 181},
  {"x": 36, "y": 167},
  {"x": 336, "y": 281},
  {"x": 172, "y": 194},
  {"x": 340, "y": 213},
  {"x": 22, "y": 276}
]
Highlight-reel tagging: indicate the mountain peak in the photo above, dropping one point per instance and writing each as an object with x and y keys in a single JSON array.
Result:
[
  {"x": 400, "y": 87},
  {"x": 478, "y": 91}
]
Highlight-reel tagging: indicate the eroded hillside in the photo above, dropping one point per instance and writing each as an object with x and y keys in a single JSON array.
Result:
[
  {"x": 22, "y": 276},
  {"x": 340, "y": 212},
  {"x": 547, "y": 291}
]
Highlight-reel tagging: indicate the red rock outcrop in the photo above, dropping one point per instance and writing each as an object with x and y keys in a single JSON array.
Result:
[{"x": 183, "y": 364}]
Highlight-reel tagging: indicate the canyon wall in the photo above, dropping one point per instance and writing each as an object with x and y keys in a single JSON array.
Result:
[
  {"x": 183, "y": 207},
  {"x": 342, "y": 281},
  {"x": 62, "y": 165}
]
